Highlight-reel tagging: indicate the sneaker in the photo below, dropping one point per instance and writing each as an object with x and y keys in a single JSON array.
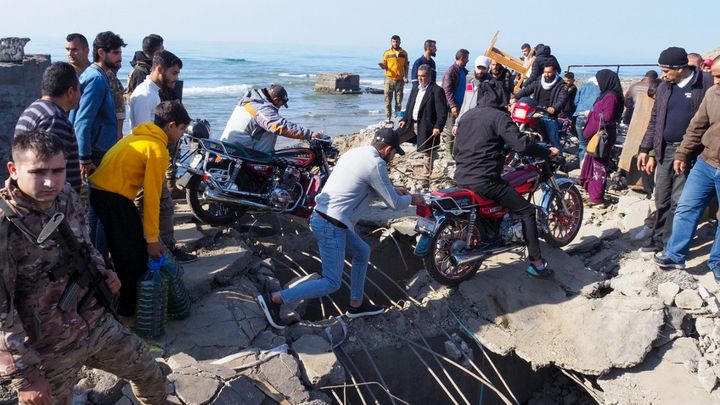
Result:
[
  {"x": 544, "y": 272},
  {"x": 365, "y": 309},
  {"x": 651, "y": 246},
  {"x": 271, "y": 310},
  {"x": 182, "y": 257},
  {"x": 666, "y": 263}
]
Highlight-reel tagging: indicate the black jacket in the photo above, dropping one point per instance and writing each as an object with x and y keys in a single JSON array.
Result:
[
  {"x": 558, "y": 94},
  {"x": 481, "y": 136},
  {"x": 432, "y": 114},
  {"x": 653, "y": 138},
  {"x": 141, "y": 68},
  {"x": 507, "y": 81},
  {"x": 543, "y": 57}
]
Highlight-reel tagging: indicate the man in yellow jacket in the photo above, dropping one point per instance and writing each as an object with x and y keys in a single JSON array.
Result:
[{"x": 137, "y": 161}]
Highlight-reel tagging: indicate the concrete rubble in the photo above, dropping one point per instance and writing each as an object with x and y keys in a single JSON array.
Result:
[{"x": 633, "y": 333}]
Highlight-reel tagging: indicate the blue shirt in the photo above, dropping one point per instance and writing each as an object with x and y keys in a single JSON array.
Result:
[
  {"x": 423, "y": 61},
  {"x": 585, "y": 97},
  {"x": 94, "y": 120}
]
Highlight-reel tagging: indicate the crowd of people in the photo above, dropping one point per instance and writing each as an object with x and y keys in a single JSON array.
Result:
[{"x": 73, "y": 168}]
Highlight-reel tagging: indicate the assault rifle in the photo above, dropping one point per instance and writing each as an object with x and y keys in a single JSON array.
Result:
[{"x": 84, "y": 275}]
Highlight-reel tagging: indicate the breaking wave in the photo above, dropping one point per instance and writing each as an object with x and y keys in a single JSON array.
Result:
[
  {"x": 230, "y": 90},
  {"x": 297, "y": 74}
]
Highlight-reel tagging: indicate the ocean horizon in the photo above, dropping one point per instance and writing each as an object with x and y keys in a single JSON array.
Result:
[{"x": 215, "y": 76}]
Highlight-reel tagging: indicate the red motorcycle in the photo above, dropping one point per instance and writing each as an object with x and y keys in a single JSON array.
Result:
[
  {"x": 222, "y": 180},
  {"x": 459, "y": 229},
  {"x": 526, "y": 114}
]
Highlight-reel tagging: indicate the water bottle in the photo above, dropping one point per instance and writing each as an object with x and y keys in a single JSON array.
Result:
[
  {"x": 178, "y": 297},
  {"x": 152, "y": 298}
]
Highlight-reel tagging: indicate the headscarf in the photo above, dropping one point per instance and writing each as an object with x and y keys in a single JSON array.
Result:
[{"x": 608, "y": 81}]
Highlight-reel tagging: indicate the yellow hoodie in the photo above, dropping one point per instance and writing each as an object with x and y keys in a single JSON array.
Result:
[{"x": 137, "y": 161}]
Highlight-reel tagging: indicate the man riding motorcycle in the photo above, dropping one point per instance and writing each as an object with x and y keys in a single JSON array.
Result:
[
  {"x": 479, "y": 155},
  {"x": 256, "y": 122}
]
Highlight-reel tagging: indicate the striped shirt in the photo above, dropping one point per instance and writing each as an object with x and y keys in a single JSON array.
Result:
[{"x": 48, "y": 116}]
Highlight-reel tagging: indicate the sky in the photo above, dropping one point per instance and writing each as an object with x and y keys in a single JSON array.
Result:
[{"x": 609, "y": 31}]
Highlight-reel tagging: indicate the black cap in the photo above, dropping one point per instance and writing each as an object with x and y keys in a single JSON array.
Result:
[
  {"x": 276, "y": 90},
  {"x": 673, "y": 58},
  {"x": 389, "y": 137}
]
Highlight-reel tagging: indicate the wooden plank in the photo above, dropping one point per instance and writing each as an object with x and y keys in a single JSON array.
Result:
[{"x": 636, "y": 131}]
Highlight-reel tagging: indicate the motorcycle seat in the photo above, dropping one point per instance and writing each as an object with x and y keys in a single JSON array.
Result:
[{"x": 241, "y": 152}]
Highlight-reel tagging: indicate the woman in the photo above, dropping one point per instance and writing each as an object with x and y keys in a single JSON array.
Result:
[{"x": 609, "y": 105}]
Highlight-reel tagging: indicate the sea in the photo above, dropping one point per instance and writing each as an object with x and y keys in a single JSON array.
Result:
[{"x": 216, "y": 75}]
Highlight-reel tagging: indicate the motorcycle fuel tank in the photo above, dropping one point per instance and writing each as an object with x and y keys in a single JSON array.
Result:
[
  {"x": 298, "y": 157},
  {"x": 523, "y": 180}
]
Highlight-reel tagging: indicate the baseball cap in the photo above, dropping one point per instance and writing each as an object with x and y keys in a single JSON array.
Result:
[
  {"x": 482, "y": 61},
  {"x": 276, "y": 90},
  {"x": 389, "y": 137}
]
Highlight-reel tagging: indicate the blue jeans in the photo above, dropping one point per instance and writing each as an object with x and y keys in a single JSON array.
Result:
[
  {"x": 551, "y": 130},
  {"x": 582, "y": 142},
  {"x": 702, "y": 183},
  {"x": 332, "y": 242}
]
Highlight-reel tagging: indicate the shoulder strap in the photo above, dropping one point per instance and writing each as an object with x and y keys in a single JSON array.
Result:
[
  {"x": 15, "y": 219},
  {"x": 5, "y": 263}
]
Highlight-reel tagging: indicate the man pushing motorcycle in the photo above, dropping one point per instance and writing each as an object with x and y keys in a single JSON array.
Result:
[
  {"x": 256, "y": 122},
  {"x": 482, "y": 135}
]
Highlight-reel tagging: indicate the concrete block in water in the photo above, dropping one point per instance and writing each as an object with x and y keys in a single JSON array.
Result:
[
  {"x": 12, "y": 49},
  {"x": 337, "y": 82}
]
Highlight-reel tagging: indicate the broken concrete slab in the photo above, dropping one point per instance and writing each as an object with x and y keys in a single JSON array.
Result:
[
  {"x": 320, "y": 366},
  {"x": 226, "y": 262},
  {"x": 194, "y": 389},
  {"x": 529, "y": 316},
  {"x": 283, "y": 373},
  {"x": 688, "y": 299},
  {"x": 239, "y": 391},
  {"x": 667, "y": 292},
  {"x": 655, "y": 381}
]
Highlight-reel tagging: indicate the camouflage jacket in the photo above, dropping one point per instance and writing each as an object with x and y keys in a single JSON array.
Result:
[
  {"x": 31, "y": 326},
  {"x": 118, "y": 94}
]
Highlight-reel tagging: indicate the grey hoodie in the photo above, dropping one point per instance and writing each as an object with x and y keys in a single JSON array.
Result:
[{"x": 359, "y": 176}]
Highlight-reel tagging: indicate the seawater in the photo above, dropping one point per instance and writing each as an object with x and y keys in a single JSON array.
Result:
[{"x": 216, "y": 75}]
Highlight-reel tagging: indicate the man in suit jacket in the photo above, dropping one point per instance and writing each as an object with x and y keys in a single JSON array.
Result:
[{"x": 424, "y": 119}]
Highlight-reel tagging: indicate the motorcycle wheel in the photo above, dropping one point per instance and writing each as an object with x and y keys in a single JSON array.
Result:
[
  {"x": 437, "y": 260},
  {"x": 209, "y": 212},
  {"x": 562, "y": 228}
]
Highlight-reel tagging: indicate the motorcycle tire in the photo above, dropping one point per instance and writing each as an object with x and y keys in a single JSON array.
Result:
[
  {"x": 563, "y": 229},
  {"x": 211, "y": 213},
  {"x": 437, "y": 260}
]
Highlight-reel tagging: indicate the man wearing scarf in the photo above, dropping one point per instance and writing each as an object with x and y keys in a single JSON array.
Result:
[
  {"x": 550, "y": 92},
  {"x": 677, "y": 99},
  {"x": 606, "y": 112}
]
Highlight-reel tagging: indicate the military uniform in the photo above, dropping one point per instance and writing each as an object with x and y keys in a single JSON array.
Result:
[{"x": 36, "y": 336}]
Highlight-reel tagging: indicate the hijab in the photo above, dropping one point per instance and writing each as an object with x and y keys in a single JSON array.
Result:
[{"x": 609, "y": 82}]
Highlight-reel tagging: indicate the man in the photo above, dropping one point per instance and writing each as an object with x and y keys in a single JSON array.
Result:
[
  {"x": 77, "y": 49},
  {"x": 165, "y": 72},
  {"x": 359, "y": 177},
  {"x": 482, "y": 74},
  {"x": 138, "y": 161},
  {"x": 95, "y": 118},
  {"x": 501, "y": 74},
  {"x": 396, "y": 65},
  {"x": 426, "y": 58},
  {"x": 702, "y": 184},
  {"x": 550, "y": 92},
  {"x": 634, "y": 91},
  {"x": 425, "y": 116},
  {"x": 542, "y": 57},
  {"x": 677, "y": 99},
  {"x": 453, "y": 85},
  {"x": 569, "y": 110},
  {"x": 256, "y": 122},
  {"x": 528, "y": 57},
  {"x": 146, "y": 96},
  {"x": 43, "y": 347},
  {"x": 142, "y": 61},
  {"x": 479, "y": 154},
  {"x": 695, "y": 59},
  {"x": 60, "y": 94}
]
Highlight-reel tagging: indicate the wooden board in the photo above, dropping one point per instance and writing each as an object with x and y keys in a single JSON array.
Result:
[
  {"x": 636, "y": 131},
  {"x": 507, "y": 60}
]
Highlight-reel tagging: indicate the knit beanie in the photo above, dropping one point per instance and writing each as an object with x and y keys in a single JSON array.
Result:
[
  {"x": 482, "y": 61},
  {"x": 673, "y": 58}
]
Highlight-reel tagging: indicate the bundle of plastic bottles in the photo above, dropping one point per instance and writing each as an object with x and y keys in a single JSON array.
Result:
[{"x": 161, "y": 296}]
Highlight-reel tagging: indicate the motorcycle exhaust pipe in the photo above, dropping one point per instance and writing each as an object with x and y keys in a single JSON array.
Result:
[
  {"x": 474, "y": 256},
  {"x": 219, "y": 197}
]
